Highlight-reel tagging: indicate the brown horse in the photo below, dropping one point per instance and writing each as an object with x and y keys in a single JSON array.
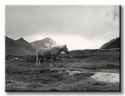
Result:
[{"x": 47, "y": 53}]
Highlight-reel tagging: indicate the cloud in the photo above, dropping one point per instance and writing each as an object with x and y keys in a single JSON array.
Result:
[
  {"x": 115, "y": 13},
  {"x": 73, "y": 42},
  {"x": 87, "y": 22}
]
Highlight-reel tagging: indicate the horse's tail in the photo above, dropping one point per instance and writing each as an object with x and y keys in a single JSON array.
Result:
[{"x": 36, "y": 58}]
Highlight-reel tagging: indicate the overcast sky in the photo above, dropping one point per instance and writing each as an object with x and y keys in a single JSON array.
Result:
[{"x": 80, "y": 27}]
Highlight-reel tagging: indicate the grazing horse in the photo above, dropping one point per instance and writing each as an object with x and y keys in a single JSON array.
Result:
[{"x": 47, "y": 53}]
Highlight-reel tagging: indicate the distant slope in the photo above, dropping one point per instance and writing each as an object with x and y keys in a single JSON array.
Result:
[
  {"x": 114, "y": 43},
  {"x": 26, "y": 45},
  {"x": 13, "y": 48},
  {"x": 44, "y": 43}
]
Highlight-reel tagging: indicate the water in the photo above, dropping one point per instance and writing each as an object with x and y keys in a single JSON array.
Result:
[{"x": 106, "y": 77}]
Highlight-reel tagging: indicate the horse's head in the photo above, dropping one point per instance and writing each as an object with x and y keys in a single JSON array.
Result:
[{"x": 65, "y": 49}]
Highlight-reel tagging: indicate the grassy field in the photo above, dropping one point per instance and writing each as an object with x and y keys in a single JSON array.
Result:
[{"x": 67, "y": 74}]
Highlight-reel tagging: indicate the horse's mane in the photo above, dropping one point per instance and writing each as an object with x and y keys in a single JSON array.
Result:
[{"x": 60, "y": 46}]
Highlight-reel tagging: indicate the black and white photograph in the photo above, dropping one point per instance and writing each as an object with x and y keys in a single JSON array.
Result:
[{"x": 62, "y": 48}]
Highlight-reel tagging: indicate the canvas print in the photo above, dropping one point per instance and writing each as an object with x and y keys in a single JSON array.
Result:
[{"x": 62, "y": 48}]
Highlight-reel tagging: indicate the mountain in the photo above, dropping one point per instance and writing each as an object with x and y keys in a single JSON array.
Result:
[
  {"x": 114, "y": 43},
  {"x": 44, "y": 43},
  {"x": 13, "y": 48},
  {"x": 21, "y": 47},
  {"x": 26, "y": 45}
]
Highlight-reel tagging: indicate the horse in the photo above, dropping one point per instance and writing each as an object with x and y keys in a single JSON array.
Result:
[{"x": 47, "y": 53}]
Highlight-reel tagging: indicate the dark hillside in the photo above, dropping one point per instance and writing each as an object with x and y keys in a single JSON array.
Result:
[
  {"x": 114, "y": 43},
  {"x": 13, "y": 48}
]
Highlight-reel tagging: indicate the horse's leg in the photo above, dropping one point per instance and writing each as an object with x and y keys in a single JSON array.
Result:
[
  {"x": 51, "y": 64},
  {"x": 42, "y": 59},
  {"x": 53, "y": 60},
  {"x": 37, "y": 58},
  {"x": 39, "y": 61}
]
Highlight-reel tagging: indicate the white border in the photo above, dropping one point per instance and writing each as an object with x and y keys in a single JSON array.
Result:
[
  {"x": 46, "y": 2},
  {"x": 64, "y": 2}
]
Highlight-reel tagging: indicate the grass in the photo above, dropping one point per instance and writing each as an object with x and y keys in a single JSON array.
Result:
[{"x": 26, "y": 76}]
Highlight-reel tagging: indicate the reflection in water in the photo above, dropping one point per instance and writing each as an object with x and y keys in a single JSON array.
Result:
[{"x": 106, "y": 77}]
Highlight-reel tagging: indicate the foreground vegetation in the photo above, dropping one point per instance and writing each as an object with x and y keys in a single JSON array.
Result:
[{"x": 68, "y": 74}]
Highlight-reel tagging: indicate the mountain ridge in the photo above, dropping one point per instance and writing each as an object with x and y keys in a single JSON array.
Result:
[
  {"x": 13, "y": 48},
  {"x": 22, "y": 47},
  {"x": 114, "y": 43},
  {"x": 26, "y": 45},
  {"x": 44, "y": 43}
]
